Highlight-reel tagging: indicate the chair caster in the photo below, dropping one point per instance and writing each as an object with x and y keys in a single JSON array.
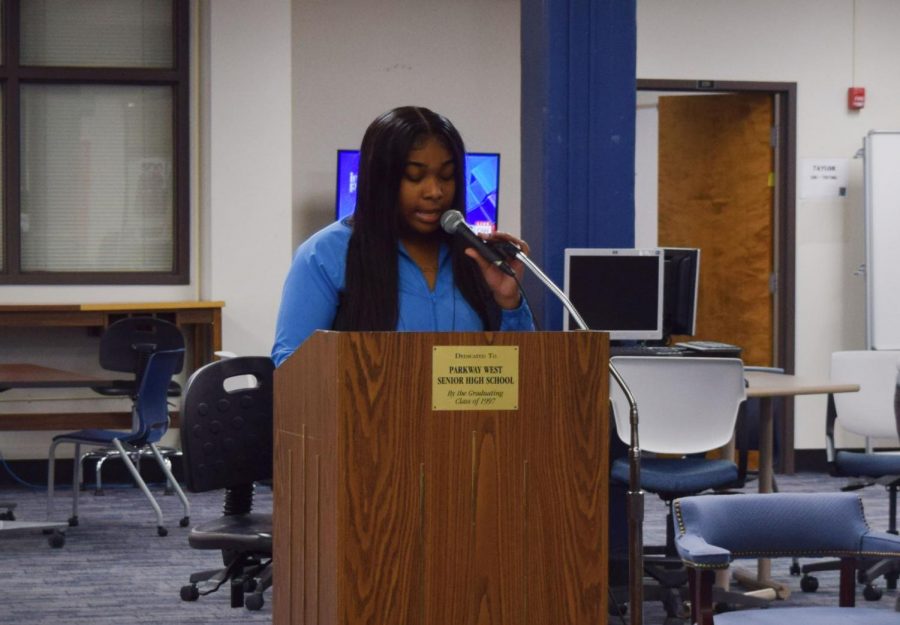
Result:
[
  {"x": 190, "y": 592},
  {"x": 57, "y": 539},
  {"x": 795, "y": 569},
  {"x": 254, "y": 602},
  {"x": 8, "y": 516},
  {"x": 185, "y": 521},
  {"x": 808, "y": 583},
  {"x": 73, "y": 521},
  {"x": 160, "y": 530},
  {"x": 872, "y": 593}
]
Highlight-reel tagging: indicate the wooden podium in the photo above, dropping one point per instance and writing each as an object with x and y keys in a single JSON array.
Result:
[{"x": 389, "y": 511}]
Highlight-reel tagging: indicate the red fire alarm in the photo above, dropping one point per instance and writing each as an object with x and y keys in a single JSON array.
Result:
[{"x": 856, "y": 98}]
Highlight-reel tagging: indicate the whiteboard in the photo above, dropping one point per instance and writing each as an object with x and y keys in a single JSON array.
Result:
[{"x": 882, "y": 193}]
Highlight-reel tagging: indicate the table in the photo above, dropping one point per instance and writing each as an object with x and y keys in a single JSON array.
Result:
[
  {"x": 205, "y": 317},
  {"x": 23, "y": 375},
  {"x": 768, "y": 386}
]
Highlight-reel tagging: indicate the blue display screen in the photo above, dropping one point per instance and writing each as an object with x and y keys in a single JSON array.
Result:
[{"x": 482, "y": 187}]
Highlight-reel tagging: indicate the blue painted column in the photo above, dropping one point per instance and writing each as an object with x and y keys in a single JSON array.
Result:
[{"x": 578, "y": 120}]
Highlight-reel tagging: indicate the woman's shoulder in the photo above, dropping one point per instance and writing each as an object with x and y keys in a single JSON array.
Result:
[{"x": 329, "y": 241}]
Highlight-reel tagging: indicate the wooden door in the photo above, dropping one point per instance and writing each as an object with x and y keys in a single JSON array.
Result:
[{"x": 716, "y": 193}]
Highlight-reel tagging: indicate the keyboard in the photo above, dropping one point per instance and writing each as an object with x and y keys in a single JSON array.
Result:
[
  {"x": 647, "y": 350},
  {"x": 709, "y": 346}
]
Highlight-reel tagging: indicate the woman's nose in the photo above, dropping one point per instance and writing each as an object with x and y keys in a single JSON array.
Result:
[{"x": 434, "y": 188}]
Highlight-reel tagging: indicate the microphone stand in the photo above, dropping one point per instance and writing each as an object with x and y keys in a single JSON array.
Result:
[{"x": 635, "y": 494}]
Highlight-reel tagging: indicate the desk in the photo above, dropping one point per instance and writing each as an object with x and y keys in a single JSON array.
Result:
[
  {"x": 35, "y": 376},
  {"x": 204, "y": 316},
  {"x": 768, "y": 386}
]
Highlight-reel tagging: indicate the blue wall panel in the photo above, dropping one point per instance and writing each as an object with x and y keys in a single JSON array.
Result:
[{"x": 578, "y": 107}]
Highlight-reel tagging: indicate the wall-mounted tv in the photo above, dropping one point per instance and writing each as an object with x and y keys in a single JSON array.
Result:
[{"x": 482, "y": 187}]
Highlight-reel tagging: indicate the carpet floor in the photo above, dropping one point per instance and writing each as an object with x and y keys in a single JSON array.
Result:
[{"x": 114, "y": 569}]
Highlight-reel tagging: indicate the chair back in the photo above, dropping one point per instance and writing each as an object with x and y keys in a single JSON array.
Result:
[
  {"x": 151, "y": 405},
  {"x": 774, "y": 524},
  {"x": 685, "y": 405},
  {"x": 126, "y": 344},
  {"x": 870, "y": 412},
  {"x": 226, "y": 428}
]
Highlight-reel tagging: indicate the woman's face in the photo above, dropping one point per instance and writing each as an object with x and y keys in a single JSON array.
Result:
[{"x": 427, "y": 187}]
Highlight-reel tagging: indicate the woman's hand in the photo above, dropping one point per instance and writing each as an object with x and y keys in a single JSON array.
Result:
[{"x": 504, "y": 287}]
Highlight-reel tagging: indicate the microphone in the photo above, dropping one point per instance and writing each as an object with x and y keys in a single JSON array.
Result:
[{"x": 453, "y": 223}]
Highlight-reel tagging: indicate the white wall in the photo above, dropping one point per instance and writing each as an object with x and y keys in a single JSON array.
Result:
[
  {"x": 240, "y": 209},
  {"x": 810, "y": 42},
  {"x": 245, "y": 127},
  {"x": 355, "y": 59}
]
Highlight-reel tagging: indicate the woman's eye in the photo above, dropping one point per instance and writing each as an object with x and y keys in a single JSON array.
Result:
[{"x": 414, "y": 176}]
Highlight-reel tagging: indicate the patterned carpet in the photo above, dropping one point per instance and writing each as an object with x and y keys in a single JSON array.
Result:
[{"x": 114, "y": 569}]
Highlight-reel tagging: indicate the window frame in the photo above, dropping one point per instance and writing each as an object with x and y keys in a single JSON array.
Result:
[{"x": 13, "y": 75}]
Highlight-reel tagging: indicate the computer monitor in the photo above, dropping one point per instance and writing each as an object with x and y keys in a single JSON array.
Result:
[
  {"x": 682, "y": 283},
  {"x": 619, "y": 291},
  {"x": 482, "y": 187}
]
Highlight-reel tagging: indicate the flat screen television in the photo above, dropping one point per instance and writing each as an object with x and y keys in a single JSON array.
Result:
[
  {"x": 482, "y": 187},
  {"x": 682, "y": 283},
  {"x": 619, "y": 291}
]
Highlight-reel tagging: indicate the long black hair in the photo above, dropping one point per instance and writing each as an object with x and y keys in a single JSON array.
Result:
[{"x": 370, "y": 297}]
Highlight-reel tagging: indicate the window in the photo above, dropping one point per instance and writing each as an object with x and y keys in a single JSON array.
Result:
[{"x": 94, "y": 142}]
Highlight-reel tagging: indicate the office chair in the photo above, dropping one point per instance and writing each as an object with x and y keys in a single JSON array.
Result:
[
  {"x": 227, "y": 444},
  {"x": 152, "y": 412},
  {"x": 125, "y": 347},
  {"x": 713, "y": 531},
  {"x": 868, "y": 413},
  {"x": 686, "y": 407}
]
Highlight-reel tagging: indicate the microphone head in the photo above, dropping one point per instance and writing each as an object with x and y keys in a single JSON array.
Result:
[{"x": 451, "y": 220}]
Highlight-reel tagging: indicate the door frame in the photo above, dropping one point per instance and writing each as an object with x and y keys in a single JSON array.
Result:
[{"x": 784, "y": 97}]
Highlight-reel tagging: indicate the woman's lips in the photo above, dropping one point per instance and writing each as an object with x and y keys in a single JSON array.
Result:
[{"x": 429, "y": 216}]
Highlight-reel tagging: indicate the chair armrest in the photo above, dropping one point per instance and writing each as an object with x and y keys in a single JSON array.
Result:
[
  {"x": 696, "y": 552},
  {"x": 880, "y": 544}
]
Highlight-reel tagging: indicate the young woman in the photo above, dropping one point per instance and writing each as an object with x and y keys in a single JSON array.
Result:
[{"x": 390, "y": 266}]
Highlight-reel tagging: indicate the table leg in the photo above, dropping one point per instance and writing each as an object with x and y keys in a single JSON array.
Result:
[{"x": 766, "y": 458}]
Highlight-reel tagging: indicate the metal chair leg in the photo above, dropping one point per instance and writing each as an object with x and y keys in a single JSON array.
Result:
[
  {"x": 165, "y": 465},
  {"x": 76, "y": 480},
  {"x": 51, "y": 474},
  {"x": 160, "y": 528}
]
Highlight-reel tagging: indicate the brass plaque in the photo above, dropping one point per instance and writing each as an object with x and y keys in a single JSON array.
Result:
[{"x": 475, "y": 378}]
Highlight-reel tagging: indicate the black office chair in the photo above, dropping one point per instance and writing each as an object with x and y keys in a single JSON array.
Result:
[
  {"x": 227, "y": 442},
  {"x": 125, "y": 347}
]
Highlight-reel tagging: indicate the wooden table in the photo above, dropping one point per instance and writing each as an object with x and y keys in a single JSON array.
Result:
[
  {"x": 23, "y": 375},
  {"x": 204, "y": 317},
  {"x": 768, "y": 386}
]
